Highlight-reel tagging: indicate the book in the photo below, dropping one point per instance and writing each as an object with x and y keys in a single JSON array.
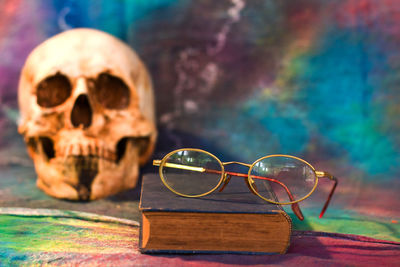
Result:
[{"x": 232, "y": 221}]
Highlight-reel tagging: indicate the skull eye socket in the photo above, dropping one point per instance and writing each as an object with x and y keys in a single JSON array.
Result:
[
  {"x": 111, "y": 92},
  {"x": 53, "y": 91}
]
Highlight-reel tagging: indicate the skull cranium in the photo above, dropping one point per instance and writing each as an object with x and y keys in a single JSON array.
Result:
[{"x": 87, "y": 114}]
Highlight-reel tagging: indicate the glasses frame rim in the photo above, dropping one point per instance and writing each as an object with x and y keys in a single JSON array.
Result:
[
  {"x": 285, "y": 156},
  {"x": 163, "y": 161},
  {"x": 222, "y": 164}
]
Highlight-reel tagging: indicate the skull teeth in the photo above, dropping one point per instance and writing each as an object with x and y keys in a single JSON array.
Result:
[{"x": 91, "y": 150}]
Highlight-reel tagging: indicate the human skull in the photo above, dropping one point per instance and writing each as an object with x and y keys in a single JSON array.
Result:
[{"x": 87, "y": 114}]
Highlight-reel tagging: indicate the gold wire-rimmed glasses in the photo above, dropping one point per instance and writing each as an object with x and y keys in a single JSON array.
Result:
[{"x": 278, "y": 179}]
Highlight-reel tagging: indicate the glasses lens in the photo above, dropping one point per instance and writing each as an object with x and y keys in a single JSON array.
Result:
[
  {"x": 191, "y": 172},
  {"x": 282, "y": 179}
]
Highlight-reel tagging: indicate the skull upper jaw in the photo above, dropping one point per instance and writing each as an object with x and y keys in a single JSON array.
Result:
[{"x": 86, "y": 177}]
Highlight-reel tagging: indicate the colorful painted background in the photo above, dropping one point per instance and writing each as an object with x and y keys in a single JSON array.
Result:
[{"x": 317, "y": 79}]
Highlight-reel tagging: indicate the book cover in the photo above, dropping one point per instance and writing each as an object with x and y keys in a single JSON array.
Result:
[{"x": 233, "y": 221}]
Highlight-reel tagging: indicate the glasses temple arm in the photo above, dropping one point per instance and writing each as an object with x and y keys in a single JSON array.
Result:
[
  {"x": 179, "y": 166},
  {"x": 295, "y": 206},
  {"x": 333, "y": 178},
  {"x": 296, "y": 209}
]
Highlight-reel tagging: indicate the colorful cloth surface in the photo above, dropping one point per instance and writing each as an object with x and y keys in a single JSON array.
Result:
[
  {"x": 57, "y": 232},
  {"x": 54, "y": 237}
]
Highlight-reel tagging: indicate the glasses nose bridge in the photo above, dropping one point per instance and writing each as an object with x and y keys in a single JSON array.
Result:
[{"x": 236, "y": 162}]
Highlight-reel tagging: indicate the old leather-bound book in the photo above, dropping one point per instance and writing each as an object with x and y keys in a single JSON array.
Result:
[{"x": 232, "y": 221}]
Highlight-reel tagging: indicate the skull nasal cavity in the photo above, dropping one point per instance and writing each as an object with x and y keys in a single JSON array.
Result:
[{"x": 81, "y": 112}]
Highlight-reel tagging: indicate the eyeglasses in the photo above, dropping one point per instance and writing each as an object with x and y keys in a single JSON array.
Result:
[{"x": 278, "y": 179}]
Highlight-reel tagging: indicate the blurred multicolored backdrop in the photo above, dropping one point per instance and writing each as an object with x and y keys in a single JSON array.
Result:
[{"x": 317, "y": 79}]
